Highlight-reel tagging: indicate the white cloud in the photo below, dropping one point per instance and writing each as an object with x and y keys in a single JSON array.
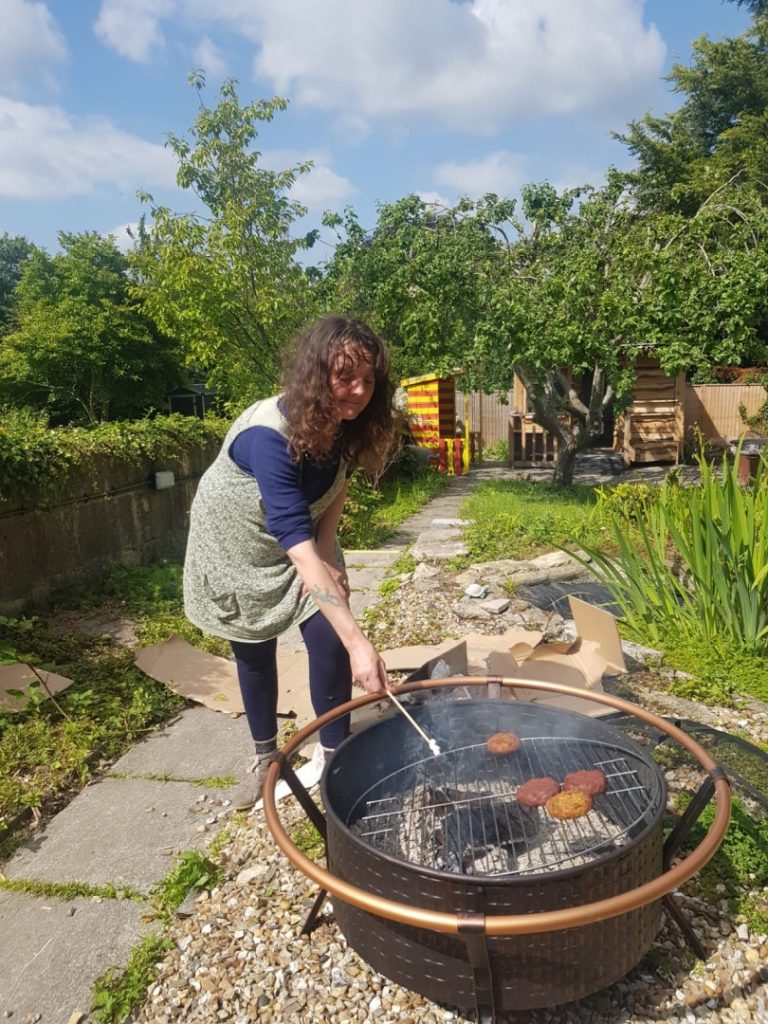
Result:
[
  {"x": 500, "y": 172},
  {"x": 475, "y": 66},
  {"x": 132, "y": 27},
  {"x": 320, "y": 187},
  {"x": 46, "y": 154},
  {"x": 209, "y": 57},
  {"x": 434, "y": 199},
  {"x": 29, "y": 42},
  {"x": 125, "y": 235}
]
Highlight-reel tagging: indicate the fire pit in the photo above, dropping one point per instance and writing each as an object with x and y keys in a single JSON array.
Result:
[{"x": 446, "y": 884}]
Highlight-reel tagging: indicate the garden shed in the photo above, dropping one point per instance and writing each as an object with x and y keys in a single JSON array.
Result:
[
  {"x": 195, "y": 400},
  {"x": 431, "y": 405},
  {"x": 652, "y": 428}
]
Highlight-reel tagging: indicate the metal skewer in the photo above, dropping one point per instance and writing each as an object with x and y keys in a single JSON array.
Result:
[{"x": 432, "y": 744}]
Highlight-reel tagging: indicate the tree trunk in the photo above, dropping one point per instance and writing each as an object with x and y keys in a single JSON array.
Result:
[
  {"x": 556, "y": 395},
  {"x": 566, "y": 464}
]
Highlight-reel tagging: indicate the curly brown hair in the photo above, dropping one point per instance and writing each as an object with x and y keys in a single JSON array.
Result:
[{"x": 307, "y": 402}]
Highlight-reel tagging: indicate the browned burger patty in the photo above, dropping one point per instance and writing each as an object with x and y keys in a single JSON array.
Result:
[
  {"x": 573, "y": 804},
  {"x": 503, "y": 743},
  {"x": 536, "y": 792},
  {"x": 592, "y": 782}
]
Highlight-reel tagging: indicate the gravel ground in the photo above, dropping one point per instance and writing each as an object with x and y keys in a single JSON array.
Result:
[{"x": 240, "y": 958}]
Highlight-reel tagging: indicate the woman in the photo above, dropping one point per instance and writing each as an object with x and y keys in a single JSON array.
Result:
[{"x": 262, "y": 553}]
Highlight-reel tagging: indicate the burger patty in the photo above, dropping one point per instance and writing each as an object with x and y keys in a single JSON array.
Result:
[
  {"x": 503, "y": 743},
  {"x": 588, "y": 781},
  {"x": 536, "y": 792},
  {"x": 573, "y": 804}
]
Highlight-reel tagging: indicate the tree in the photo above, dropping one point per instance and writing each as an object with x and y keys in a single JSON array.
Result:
[
  {"x": 567, "y": 295},
  {"x": 417, "y": 278},
  {"x": 719, "y": 133},
  {"x": 227, "y": 282},
  {"x": 85, "y": 350},
  {"x": 14, "y": 252}
]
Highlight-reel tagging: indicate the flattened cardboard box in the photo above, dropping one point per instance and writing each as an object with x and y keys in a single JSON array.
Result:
[
  {"x": 517, "y": 654},
  {"x": 520, "y": 654}
]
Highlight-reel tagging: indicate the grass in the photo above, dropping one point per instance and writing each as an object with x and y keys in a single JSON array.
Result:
[
  {"x": 118, "y": 991},
  {"x": 372, "y": 516},
  {"x": 517, "y": 519}
]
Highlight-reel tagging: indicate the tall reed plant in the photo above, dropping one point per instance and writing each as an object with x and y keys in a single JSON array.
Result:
[{"x": 697, "y": 563}]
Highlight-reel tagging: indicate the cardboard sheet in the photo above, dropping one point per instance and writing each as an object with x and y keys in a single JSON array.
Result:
[
  {"x": 212, "y": 681},
  {"x": 599, "y": 625},
  {"x": 21, "y": 677}
]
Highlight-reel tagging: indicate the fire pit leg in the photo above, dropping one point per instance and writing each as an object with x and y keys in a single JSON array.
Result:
[
  {"x": 674, "y": 841},
  {"x": 472, "y": 931},
  {"x": 299, "y": 791},
  {"x": 311, "y": 922},
  {"x": 315, "y": 816}
]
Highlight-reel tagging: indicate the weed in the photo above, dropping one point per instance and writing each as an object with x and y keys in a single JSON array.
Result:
[
  {"x": 70, "y": 890},
  {"x": 192, "y": 870},
  {"x": 739, "y": 869},
  {"x": 307, "y": 839},
  {"x": 208, "y": 782},
  {"x": 116, "y": 993}
]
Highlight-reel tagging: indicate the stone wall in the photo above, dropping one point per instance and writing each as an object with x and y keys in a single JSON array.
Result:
[{"x": 105, "y": 515}]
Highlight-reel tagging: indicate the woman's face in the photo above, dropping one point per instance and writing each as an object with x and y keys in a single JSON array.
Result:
[{"x": 352, "y": 382}]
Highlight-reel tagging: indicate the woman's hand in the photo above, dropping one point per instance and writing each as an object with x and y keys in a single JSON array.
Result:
[{"x": 368, "y": 667}]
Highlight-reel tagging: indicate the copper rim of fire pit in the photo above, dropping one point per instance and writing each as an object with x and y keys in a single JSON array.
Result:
[{"x": 507, "y": 924}]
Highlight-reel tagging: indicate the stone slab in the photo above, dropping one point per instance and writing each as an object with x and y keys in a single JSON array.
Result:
[
  {"x": 121, "y": 831},
  {"x": 379, "y": 558},
  {"x": 440, "y": 550},
  {"x": 197, "y": 743},
  {"x": 51, "y": 952}
]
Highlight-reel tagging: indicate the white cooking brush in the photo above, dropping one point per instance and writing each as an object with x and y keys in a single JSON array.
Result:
[{"x": 432, "y": 744}]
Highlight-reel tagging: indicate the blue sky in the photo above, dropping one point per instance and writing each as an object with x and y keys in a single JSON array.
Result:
[{"x": 387, "y": 97}]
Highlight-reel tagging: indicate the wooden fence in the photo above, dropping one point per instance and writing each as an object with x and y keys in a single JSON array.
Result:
[
  {"x": 714, "y": 408},
  {"x": 487, "y": 415}
]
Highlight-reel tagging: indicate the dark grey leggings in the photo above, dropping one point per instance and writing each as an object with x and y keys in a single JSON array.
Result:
[{"x": 330, "y": 680}]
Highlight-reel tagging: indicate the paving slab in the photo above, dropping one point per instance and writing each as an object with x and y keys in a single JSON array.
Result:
[
  {"x": 51, "y": 951},
  {"x": 120, "y": 831},
  {"x": 196, "y": 744}
]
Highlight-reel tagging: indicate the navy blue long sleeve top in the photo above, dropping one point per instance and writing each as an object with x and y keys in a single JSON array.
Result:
[{"x": 287, "y": 487}]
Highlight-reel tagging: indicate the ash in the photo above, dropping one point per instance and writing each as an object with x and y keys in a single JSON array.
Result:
[{"x": 485, "y": 832}]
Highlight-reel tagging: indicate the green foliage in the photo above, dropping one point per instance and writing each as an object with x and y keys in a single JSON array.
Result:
[
  {"x": 191, "y": 870},
  {"x": 496, "y": 451},
  {"x": 226, "y": 282},
  {"x": 116, "y": 993},
  {"x": 372, "y": 515},
  {"x": 14, "y": 252},
  {"x": 35, "y": 459},
  {"x": 84, "y": 350},
  {"x": 70, "y": 890},
  {"x": 719, "y": 130},
  {"x": 720, "y": 669},
  {"x": 715, "y": 585},
  {"x": 307, "y": 839},
  {"x": 740, "y": 866},
  {"x": 516, "y": 519}
]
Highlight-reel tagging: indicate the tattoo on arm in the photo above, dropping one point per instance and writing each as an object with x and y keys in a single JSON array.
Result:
[{"x": 324, "y": 596}]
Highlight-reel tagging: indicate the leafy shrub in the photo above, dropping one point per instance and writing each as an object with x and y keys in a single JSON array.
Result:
[
  {"x": 35, "y": 457},
  {"x": 701, "y": 569},
  {"x": 496, "y": 451}
]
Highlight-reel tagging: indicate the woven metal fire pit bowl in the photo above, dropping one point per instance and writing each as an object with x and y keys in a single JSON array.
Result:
[{"x": 447, "y": 885}]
